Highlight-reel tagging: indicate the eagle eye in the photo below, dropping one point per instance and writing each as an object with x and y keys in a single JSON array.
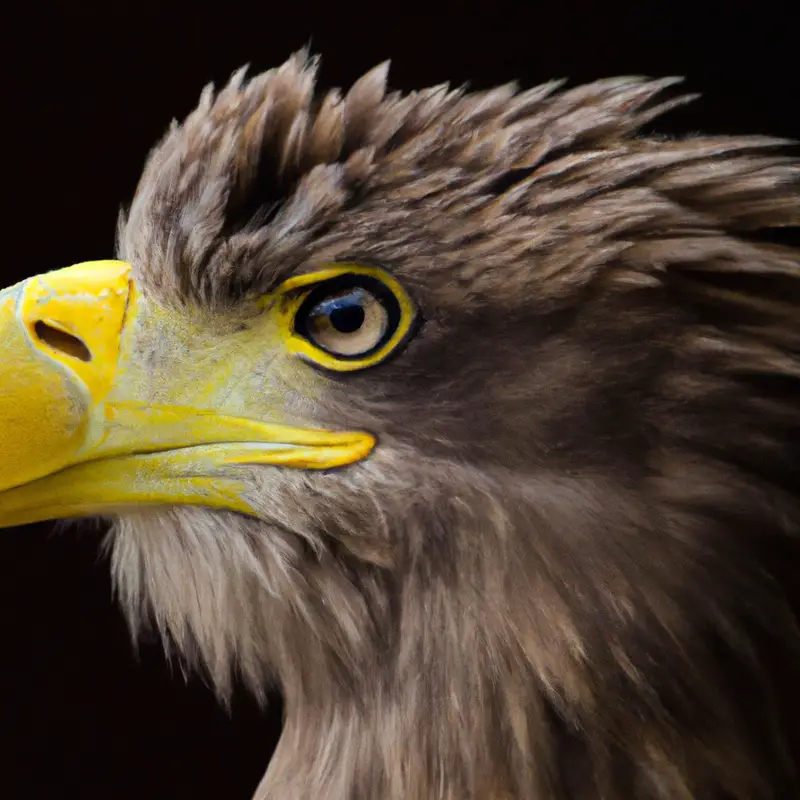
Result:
[
  {"x": 348, "y": 323},
  {"x": 346, "y": 317}
]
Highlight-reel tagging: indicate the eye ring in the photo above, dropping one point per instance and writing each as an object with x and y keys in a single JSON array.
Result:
[{"x": 347, "y": 317}]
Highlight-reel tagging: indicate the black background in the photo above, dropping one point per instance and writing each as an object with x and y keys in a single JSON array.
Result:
[{"x": 87, "y": 89}]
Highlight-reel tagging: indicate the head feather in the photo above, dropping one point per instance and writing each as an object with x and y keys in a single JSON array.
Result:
[{"x": 570, "y": 568}]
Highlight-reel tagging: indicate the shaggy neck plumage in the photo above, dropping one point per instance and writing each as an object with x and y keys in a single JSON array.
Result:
[
  {"x": 429, "y": 735},
  {"x": 499, "y": 683},
  {"x": 523, "y": 628}
]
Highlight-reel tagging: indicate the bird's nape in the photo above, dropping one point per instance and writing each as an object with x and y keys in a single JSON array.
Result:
[{"x": 467, "y": 419}]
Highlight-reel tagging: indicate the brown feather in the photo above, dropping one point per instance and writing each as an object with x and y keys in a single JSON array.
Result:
[{"x": 570, "y": 568}]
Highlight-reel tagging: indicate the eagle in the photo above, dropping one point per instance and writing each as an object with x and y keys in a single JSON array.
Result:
[{"x": 466, "y": 419}]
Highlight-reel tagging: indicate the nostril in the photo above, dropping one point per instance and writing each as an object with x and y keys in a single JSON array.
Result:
[{"x": 62, "y": 341}]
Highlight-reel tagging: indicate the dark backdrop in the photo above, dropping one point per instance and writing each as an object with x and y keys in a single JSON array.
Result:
[{"x": 86, "y": 90}]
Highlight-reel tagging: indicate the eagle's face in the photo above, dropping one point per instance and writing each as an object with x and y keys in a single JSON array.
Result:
[{"x": 396, "y": 387}]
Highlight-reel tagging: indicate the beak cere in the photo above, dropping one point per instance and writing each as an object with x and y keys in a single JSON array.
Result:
[{"x": 81, "y": 430}]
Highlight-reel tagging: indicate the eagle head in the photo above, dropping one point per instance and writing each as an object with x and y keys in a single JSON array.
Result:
[{"x": 468, "y": 420}]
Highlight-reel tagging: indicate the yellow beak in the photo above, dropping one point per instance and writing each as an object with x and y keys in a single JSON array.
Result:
[{"x": 107, "y": 401}]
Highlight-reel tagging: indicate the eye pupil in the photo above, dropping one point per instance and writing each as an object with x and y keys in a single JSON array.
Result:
[{"x": 348, "y": 319}]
